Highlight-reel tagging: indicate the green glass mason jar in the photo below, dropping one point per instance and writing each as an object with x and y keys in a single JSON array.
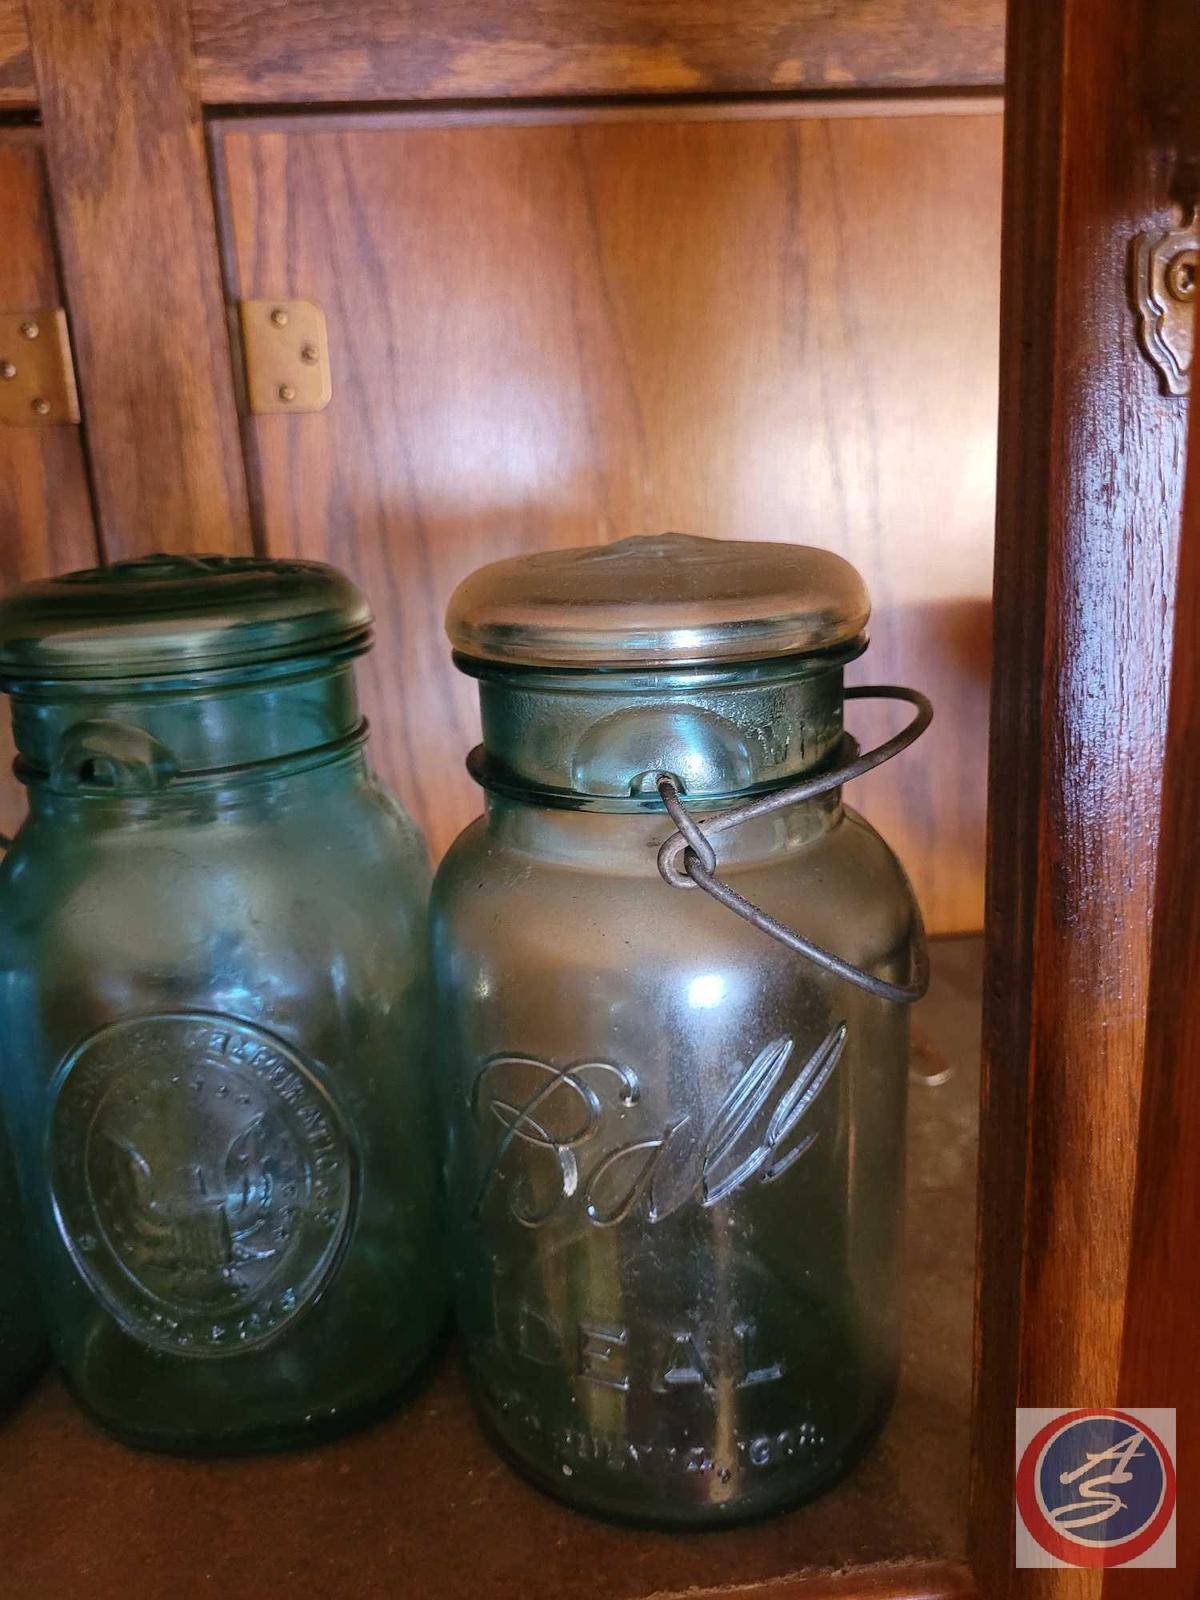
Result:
[
  {"x": 213, "y": 993},
  {"x": 22, "y": 1343},
  {"x": 676, "y": 1134}
]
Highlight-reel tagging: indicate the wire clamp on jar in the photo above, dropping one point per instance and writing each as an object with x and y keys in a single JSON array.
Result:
[{"x": 687, "y": 860}]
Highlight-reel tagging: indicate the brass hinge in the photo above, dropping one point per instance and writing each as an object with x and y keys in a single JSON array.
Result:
[
  {"x": 1166, "y": 267},
  {"x": 37, "y": 378},
  {"x": 285, "y": 352}
]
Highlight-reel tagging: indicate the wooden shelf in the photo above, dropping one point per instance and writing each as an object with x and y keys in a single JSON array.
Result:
[{"x": 420, "y": 1506}]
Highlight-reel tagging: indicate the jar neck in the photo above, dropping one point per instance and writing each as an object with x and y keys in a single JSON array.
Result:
[
  {"x": 241, "y": 794},
  {"x": 599, "y": 740},
  {"x": 609, "y": 841},
  {"x": 129, "y": 738}
]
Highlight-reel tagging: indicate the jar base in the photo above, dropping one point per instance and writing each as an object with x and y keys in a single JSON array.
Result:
[
  {"x": 693, "y": 1518},
  {"x": 318, "y": 1427},
  {"x": 22, "y": 1381}
]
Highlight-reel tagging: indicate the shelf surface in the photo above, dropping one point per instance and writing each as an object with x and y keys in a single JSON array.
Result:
[{"x": 419, "y": 1505}]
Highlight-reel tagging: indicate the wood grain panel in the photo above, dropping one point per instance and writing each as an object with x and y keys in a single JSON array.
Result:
[
  {"x": 134, "y": 220},
  {"x": 16, "y": 65},
  {"x": 555, "y": 335},
  {"x": 45, "y": 515},
  {"x": 1091, "y": 466},
  {"x": 297, "y": 50}
]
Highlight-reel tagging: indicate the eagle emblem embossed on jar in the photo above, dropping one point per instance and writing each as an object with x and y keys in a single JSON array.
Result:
[{"x": 675, "y": 1120}]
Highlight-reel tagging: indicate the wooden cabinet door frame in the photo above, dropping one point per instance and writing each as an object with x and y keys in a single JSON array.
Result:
[
  {"x": 1090, "y": 482},
  {"x": 1079, "y": 1090}
]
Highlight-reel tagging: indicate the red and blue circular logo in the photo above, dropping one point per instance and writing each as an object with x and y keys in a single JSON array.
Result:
[{"x": 1096, "y": 1488}]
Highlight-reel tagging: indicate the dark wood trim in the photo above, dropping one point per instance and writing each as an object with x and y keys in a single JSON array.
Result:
[
  {"x": 917, "y": 1580},
  {"x": 133, "y": 211},
  {"x": 286, "y": 52},
  {"x": 29, "y": 133},
  {"x": 542, "y": 113},
  {"x": 1158, "y": 1359},
  {"x": 345, "y": 50},
  {"x": 17, "y": 87},
  {"x": 1090, "y": 479},
  {"x": 46, "y": 522}
]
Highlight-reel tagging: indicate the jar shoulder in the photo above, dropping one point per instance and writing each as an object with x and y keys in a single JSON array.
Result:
[
  {"x": 851, "y": 853},
  {"x": 341, "y": 869},
  {"x": 845, "y": 889}
]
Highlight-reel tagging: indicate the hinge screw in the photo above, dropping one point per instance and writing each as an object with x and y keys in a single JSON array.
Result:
[
  {"x": 279, "y": 317},
  {"x": 1181, "y": 275},
  {"x": 29, "y": 330},
  {"x": 287, "y": 391},
  {"x": 310, "y": 354},
  {"x": 7, "y": 369},
  {"x": 42, "y": 407}
]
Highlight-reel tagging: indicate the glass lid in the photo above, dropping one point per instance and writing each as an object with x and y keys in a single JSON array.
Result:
[
  {"x": 664, "y": 600},
  {"x": 177, "y": 613}
]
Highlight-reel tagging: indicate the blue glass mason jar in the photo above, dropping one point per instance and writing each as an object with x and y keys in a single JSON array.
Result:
[
  {"x": 675, "y": 1120},
  {"x": 22, "y": 1343},
  {"x": 213, "y": 1006}
]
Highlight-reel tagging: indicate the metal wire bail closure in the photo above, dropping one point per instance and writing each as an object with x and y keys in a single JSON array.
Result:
[{"x": 687, "y": 859}]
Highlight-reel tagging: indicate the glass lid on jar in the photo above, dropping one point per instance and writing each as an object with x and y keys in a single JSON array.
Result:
[
  {"x": 664, "y": 600},
  {"x": 166, "y": 614}
]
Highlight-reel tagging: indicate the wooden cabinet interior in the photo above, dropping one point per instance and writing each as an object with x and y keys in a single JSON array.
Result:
[
  {"x": 801, "y": 302},
  {"x": 568, "y": 331}
]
